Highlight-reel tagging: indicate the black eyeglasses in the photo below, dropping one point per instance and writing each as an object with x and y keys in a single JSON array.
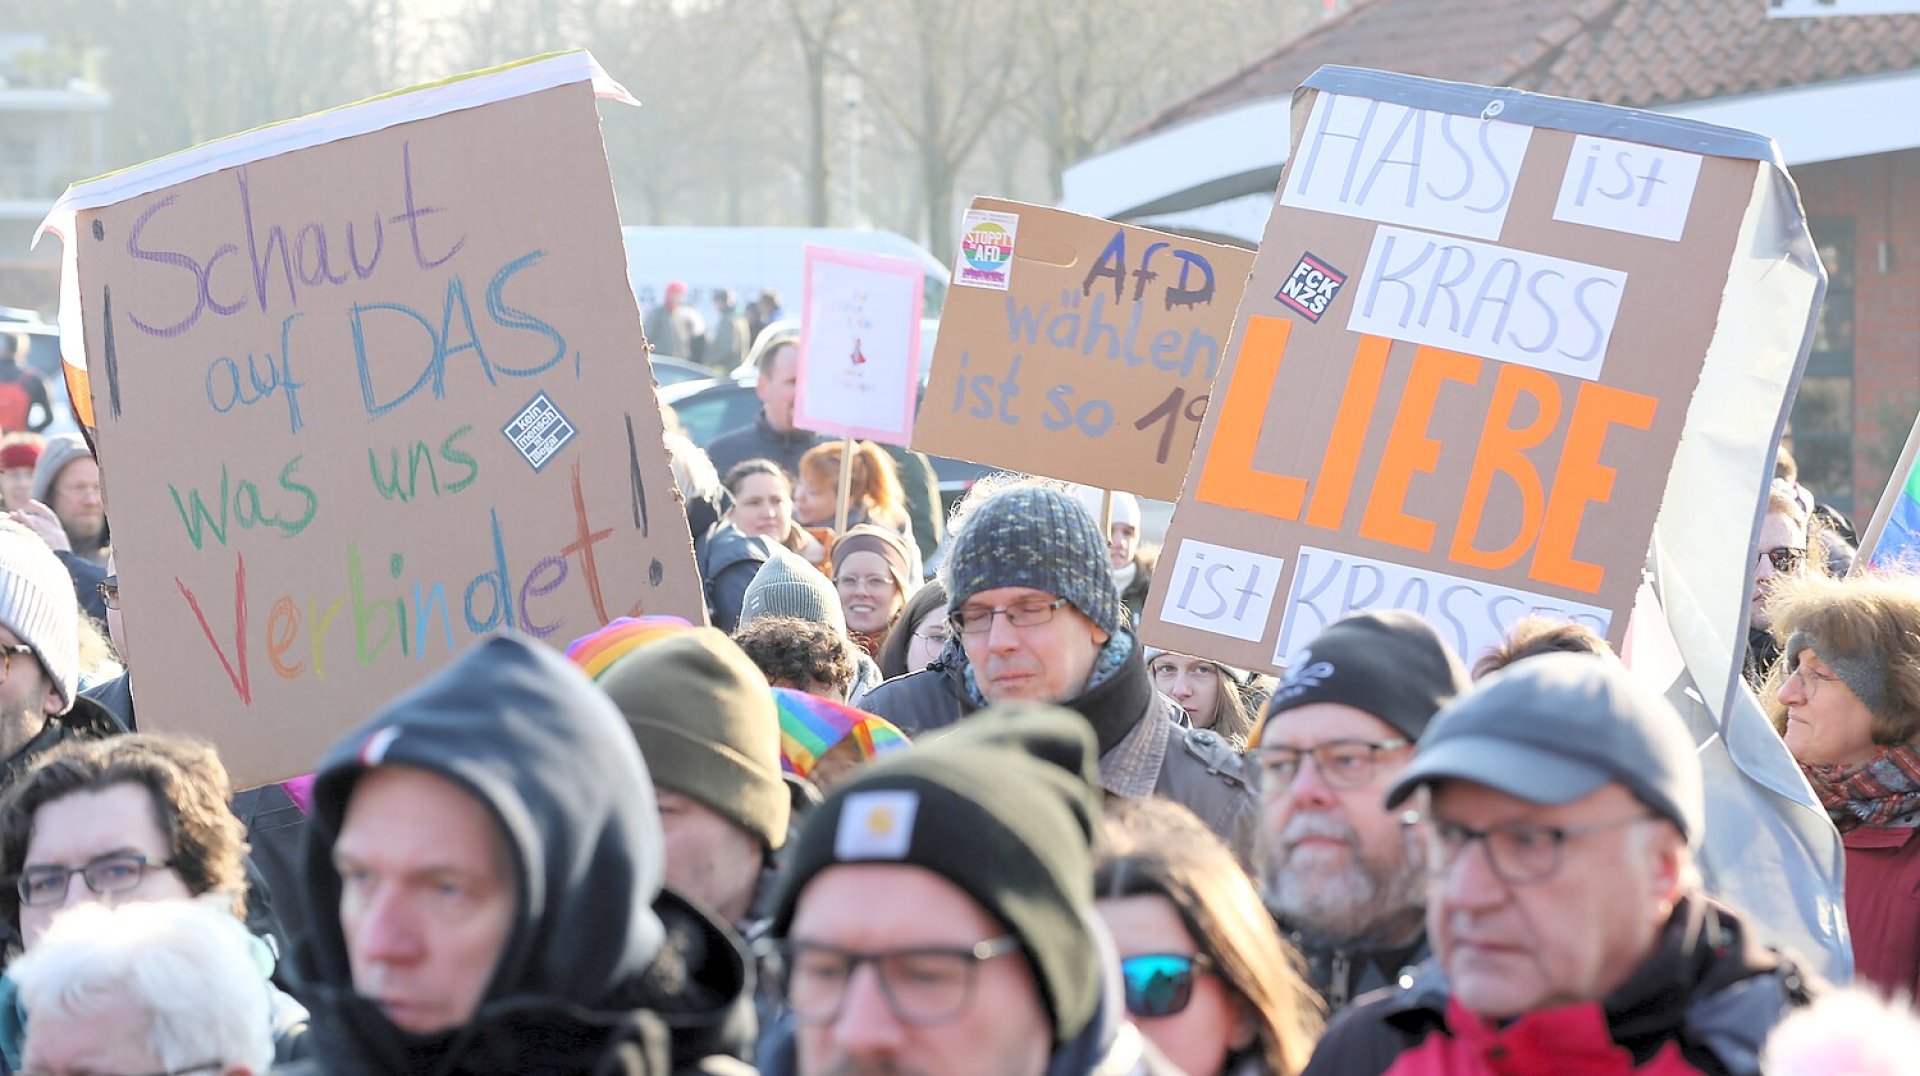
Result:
[
  {"x": 924, "y": 985},
  {"x": 1161, "y": 984},
  {"x": 1342, "y": 763},
  {"x": 109, "y": 589},
  {"x": 1521, "y": 853},
  {"x": 7, "y": 654},
  {"x": 1784, "y": 559},
  {"x": 975, "y": 619},
  {"x": 115, "y": 872}
]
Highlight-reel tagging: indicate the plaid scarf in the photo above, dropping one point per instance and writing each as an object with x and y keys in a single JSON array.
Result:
[{"x": 1881, "y": 792}]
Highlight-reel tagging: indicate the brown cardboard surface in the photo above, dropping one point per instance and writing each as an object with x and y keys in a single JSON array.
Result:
[
  {"x": 1360, "y": 469},
  {"x": 360, "y": 403},
  {"x": 1094, "y": 363}
]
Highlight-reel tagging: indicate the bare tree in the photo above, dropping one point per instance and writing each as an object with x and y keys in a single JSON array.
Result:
[
  {"x": 816, "y": 31},
  {"x": 1102, "y": 66},
  {"x": 190, "y": 70},
  {"x": 939, "y": 91}
]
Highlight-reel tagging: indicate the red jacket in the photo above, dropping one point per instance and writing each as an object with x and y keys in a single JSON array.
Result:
[
  {"x": 1702, "y": 1002},
  {"x": 1883, "y": 905}
]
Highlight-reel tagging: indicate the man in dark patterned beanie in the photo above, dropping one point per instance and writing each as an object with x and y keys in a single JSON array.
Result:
[{"x": 1035, "y": 618}]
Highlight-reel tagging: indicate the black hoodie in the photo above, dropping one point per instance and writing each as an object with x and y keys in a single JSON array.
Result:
[{"x": 590, "y": 980}]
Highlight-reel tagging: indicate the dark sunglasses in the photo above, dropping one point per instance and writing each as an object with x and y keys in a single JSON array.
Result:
[
  {"x": 1783, "y": 558},
  {"x": 1161, "y": 984}
]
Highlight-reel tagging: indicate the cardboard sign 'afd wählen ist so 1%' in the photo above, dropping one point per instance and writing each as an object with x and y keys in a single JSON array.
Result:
[
  {"x": 364, "y": 401},
  {"x": 1078, "y": 348},
  {"x": 1460, "y": 370}
]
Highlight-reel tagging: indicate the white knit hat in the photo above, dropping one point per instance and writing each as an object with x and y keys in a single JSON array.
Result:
[
  {"x": 1126, "y": 507},
  {"x": 38, "y": 605}
]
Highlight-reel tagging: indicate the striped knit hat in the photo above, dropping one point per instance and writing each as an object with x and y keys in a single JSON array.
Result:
[
  {"x": 38, "y": 606},
  {"x": 810, "y": 726},
  {"x": 595, "y": 652}
]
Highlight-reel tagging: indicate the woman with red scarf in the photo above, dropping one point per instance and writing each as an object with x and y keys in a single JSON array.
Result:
[{"x": 1848, "y": 694}]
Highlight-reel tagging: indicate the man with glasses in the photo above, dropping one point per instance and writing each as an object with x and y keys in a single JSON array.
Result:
[
  {"x": 1782, "y": 552},
  {"x": 1037, "y": 617},
  {"x": 1558, "y": 803},
  {"x": 129, "y": 819},
  {"x": 1336, "y": 869},
  {"x": 938, "y": 915}
]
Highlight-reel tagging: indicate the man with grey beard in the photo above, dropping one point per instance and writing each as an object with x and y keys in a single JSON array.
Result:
[{"x": 1343, "y": 881}]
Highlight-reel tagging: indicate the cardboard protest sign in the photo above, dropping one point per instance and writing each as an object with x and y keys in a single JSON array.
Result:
[
  {"x": 1078, "y": 348},
  {"x": 362, "y": 399},
  {"x": 1460, "y": 371},
  {"x": 859, "y": 367}
]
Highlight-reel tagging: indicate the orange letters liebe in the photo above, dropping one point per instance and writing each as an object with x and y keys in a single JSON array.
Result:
[{"x": 1550, "y": 515}]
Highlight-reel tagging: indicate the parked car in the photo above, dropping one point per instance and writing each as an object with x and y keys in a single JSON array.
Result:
[
  {"x": 668, "y": 370},
  {"x": 713, "y": 406}
]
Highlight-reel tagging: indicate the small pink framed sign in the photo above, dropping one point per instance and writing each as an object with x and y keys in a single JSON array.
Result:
[{"x": 859, "y": 368}]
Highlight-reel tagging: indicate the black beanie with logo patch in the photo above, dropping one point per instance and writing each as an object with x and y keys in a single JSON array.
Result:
[
  {"x": 1387, "y": 663},
  {"x": 1004, "y": 807}
]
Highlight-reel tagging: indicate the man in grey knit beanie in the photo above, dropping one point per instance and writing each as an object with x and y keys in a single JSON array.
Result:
[{"x": 1035, "y": 618}]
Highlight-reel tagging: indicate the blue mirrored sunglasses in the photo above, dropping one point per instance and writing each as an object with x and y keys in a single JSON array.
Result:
[{"x": 1161, "y": 984}]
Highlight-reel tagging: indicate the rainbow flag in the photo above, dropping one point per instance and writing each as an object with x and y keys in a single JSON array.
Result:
[
  {"x": 811, "y": 726},
  {"x": 1900, "y": 542},
  {"x": 1892, "y": 541}
]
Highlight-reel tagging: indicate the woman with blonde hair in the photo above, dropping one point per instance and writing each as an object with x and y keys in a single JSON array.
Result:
[
  {"x": 1207, "y": 978},
  {"x": 1846, "y": 696},
  {"x": 1209, "y": 692}
]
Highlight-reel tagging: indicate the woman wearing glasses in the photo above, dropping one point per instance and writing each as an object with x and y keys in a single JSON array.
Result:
[
  {"x": 1846, "y": 695},
  {"x": 1206, "y": 977},
  {"x": 920, "y": 636},
  {"x": 874, "y": 573},
  {"x": 139, "y": 817}
]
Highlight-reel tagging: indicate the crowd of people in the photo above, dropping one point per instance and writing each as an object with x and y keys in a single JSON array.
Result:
[
  {"x": 922, "y": 800},
  {"x": 675, "y": 327}
]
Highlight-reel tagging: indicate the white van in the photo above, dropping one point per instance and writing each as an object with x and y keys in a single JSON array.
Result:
[{"x": 752, "y": 260}]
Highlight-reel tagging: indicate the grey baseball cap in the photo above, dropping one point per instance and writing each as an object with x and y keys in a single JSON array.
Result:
[{"x": 1554, "y": 728}]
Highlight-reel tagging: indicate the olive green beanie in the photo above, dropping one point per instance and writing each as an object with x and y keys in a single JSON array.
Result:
[{"x": 706, "y": 722}]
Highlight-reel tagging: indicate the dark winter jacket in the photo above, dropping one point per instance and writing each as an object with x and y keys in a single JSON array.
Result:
[
  {"x": 601, "y": 972},
  {"x": 758, "y": 440},
  {"x": 87, "y": 576},
  {"x": 921, "y": 484},
  {"x": 1702, "y": 1002},
  {"x": 927, "y": 700},
  {"x": 1135, "y": 596},
  {"x": 1340, "y": 972},
  {"x": 728, "y": 561},
  {"x": 1145, "y": 747},
  {"x": 86, "y": 720}
]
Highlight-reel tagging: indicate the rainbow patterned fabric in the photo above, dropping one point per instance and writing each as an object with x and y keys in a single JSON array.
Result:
[
  {"x": 811, "y": 726},
  {"x": 597, "y": 652}
]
